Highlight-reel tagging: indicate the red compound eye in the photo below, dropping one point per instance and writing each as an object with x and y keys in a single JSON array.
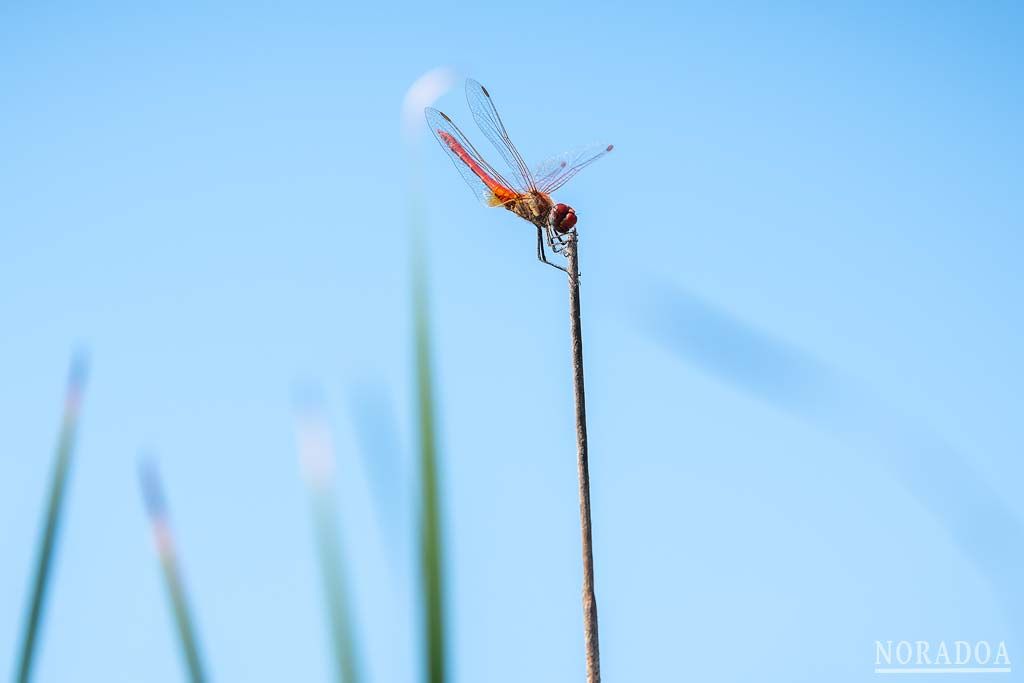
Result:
[
  {"x": 567, "y": 222},
  {"x": 560, "y": 211}
]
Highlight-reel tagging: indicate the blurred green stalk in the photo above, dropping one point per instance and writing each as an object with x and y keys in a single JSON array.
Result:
[
  {"x": 65, "y": 447},
  {"x": 427, "y": 88},
  {"x": 316, "y": 456},
  {"x": 183, "y": 620},
  {"x": 332, "y": 569},
  {"x": 153, "y": 496},
  {"x": 431, "y": 546}
]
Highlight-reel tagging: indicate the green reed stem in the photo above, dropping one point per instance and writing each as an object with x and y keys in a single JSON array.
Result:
[
  {"x": 153, "y": 495},
  {"x": 51, "y": 528},
  {"x": 430, "y": 540},
  {"x": 335, "y": 587}
]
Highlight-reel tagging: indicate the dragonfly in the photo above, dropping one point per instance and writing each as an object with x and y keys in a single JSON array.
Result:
[{"x": 524, "y": 192}]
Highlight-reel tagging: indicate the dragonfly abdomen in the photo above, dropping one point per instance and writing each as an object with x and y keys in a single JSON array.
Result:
[{"x": 502, "y": 194}]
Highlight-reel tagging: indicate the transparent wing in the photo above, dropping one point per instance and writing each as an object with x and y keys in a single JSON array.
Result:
[
  {"x": 487, "y": 184},
  {"x": 486, "y": 116},
  {"x": 557, "y": 171}
]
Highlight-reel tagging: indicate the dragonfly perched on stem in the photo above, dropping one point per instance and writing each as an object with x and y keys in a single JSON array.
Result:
[{"x": 524, "y": 192}]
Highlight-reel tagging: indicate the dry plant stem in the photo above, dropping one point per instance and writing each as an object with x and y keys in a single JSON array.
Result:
[{"x": 589, "y": 600}]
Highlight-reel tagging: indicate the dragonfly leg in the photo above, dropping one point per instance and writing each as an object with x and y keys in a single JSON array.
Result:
[
  {"x": 541, "y": 253},
  {"x": 557, "y": 241}
]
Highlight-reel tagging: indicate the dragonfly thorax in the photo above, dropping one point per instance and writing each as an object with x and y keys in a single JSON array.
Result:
[{"x": 534, "y": 206}]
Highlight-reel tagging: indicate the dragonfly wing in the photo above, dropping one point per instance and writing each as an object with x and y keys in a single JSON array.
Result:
[
  {"x": 486, "y": 116},
  {"x": 487, "y": 184},
  {"x": 559, "y": 170}
]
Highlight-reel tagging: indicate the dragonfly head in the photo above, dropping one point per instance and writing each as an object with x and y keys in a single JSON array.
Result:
[{"x": 563, "y": 218}]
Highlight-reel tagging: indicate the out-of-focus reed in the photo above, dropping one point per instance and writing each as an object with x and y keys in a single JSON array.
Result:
[
  {"x": 51, "y": 526},
  {"x": 947, "y": 484},
  {"x": 422, "y": 93},
  {"x": 377, "y": 438},
  {"x": 316, "y": 456},
  {"x": 156, "y": 508},
  {"x": 430, "y": 537}
]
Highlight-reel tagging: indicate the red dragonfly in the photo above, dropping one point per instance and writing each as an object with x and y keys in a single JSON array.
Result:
[{"x": 528, "y": 195}]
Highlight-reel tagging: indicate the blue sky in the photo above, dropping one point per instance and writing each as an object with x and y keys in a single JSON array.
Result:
[{"x": 212, "y": 201}]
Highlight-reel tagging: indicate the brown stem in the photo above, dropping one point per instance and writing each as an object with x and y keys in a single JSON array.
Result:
[{"x": 589, "y": 599}]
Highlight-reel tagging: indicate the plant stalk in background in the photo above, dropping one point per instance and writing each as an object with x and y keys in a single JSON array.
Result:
[
  {"x": 65, "y": 447},
  {"x": 156, "y": 507},
  {"x": 431, "y": 571},
  {"x": 331, "y": 567},
  {"x": 590, "y": 634},
  {"x": 316, "y": 455},
  {"x": 423, "y": 93}
]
